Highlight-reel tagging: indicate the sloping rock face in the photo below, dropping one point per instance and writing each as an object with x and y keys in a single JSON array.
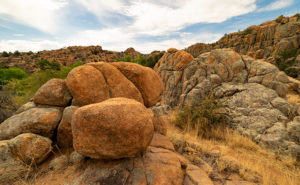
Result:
[
  {"x": 261, "y": 41},
  {"x": 253, "y": 91},
  {"x": 96, "y": 82},
  {"x": 113, "y": 129}
]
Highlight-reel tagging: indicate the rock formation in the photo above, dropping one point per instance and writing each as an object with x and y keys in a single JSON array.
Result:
[
  {"x": 111, "y": 125},
  {"x": 266, "y": 41},
  {"x": 253, "y": 92}
]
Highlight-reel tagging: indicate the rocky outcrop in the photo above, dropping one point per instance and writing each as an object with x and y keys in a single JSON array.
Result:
[
  {"x": 96, "y": 82},
  {"x": 266, "y": 41},
  {"x": 159, "y": 165},
  {"x": 113, "y": 129},
  {"x": 253, "y": 92},
  {"x": 261, "y": 41}
]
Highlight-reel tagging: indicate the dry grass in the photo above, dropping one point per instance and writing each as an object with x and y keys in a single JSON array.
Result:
[{"x": 255, "y": 164}]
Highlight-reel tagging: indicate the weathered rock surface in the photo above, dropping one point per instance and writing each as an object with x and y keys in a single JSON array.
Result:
[
  {"x": 118, "y": 84},
  {"x": 40, "y": 121},
  {"x": 54, "y": 92},
  {"x": 30, "y": 148},
  {"x": 64, "y": 130},
  {"x": 262, "y": 41},
  {"x": 96, "y": 82},
  {"x": 158, "y": 166},
  {"x": 87, "y": 85},
  {"x": 253, "y": 92},
  {"x": 145, "y": 79},
  {"x": 19, "y": 151},
  {"x": 113, "y": 129}
]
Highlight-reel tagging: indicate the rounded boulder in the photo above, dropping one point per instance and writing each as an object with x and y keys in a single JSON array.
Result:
[
  {"x": 145, "y": 79},
  {"x": 113, "y": 129},
  {"x": 54, "y": 92},
  {"x": 87, "y": 85}
]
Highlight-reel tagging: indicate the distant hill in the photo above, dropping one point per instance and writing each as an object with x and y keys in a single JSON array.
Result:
[{"x": 68, "y": 56}]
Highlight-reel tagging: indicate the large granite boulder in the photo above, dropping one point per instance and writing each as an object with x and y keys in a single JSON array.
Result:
[
  {"x": 113, "y": 129},
  {"x": 54, "y": 92},
  {"x": 87, "y": 85},
  {"x": 96, "y": 82},
  {"x": 42, "y": 121},
  {"x": 145, "y": 79}
]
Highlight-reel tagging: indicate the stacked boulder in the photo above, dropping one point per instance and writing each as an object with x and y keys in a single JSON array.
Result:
[
  {"x": 254, "y": 93},
  {"x": 101, "y": 111}
]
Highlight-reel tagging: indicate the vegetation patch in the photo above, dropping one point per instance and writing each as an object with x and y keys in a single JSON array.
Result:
[
  {"x": 204, "y": 117},
  {"x": 286, "y": 59},
  {"x": 22, "y": 90}
]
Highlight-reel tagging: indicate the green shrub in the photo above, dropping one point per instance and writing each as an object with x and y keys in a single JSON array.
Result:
[
  {"x": 46, "y": 65},
  {"x": 150, "y": 62},
  {"x": 127, "y": 58},
  {"x": 5, "y": 54},
  {"x": 7, "y": 74},
  {"x": 279, "y": 19},
  {"x": 203, "y": 116},
  {"x": 21, "y": 91},
  {"x": 140, "y": 60},
  {"x": 17, "y": 53},
  {"x": 285, "y": 61},
  {"x": 118, "y": 59},
  {"x": 248, "y": 31}
]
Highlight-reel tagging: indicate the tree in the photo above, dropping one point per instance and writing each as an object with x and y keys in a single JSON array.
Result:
[{"x": 5, "y": 54}]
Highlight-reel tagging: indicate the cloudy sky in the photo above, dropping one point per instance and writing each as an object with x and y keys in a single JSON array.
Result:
[{"x": 146, "y": 25}]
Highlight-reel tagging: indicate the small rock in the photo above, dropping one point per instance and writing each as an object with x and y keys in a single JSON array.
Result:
[
  {"x": 76, "y": 158},
  {"x": 58, "y": 163}
]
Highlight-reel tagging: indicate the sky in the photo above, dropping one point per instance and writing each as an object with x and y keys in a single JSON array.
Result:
[{"x": 35, "y": 25}]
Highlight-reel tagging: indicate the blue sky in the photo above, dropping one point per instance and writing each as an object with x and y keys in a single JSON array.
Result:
[{"x": 33, "y": 25}]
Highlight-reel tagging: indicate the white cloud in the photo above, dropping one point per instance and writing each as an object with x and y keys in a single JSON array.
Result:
[
  {"x": 114, "y": 39},
  {"x": 26, "y": 45},
  {"x": 100, "y": 8},
  {"x": 154, "y": 17},
  {"x": 148, "y": 17},
  {"x": 18, "y": 34},
  {"x": 277, "y": 5},
  {"x": 40, "y": 14}
]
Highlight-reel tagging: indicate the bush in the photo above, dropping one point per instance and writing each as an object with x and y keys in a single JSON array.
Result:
[
  {"x": 150, "y": 62},
  {"x": 5, "y": 54},
  {"x": 46, "y": 65},
  {"x": 7, "y": 74},
  {"x": 17, "y": 53},
  {"x": 279, "y": 19},
  {"x": 127, "y": 58},
  {"x": 203, "y": 116},
  {"x": 140, "y": 60},
  {"x": 21, "y": 91},
  {"x": 248, "y": 31},
  {"x": 286, "y": 60}
]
